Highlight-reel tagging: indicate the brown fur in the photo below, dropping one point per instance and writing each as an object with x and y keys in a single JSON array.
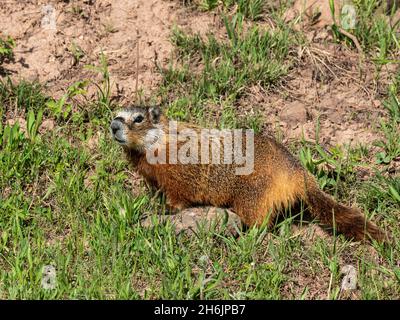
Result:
[{"x": 277, "y": 183}]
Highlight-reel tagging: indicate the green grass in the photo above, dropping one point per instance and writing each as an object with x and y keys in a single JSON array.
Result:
[
  {"x": 376, "y": 29},
  {"x": 217, "y": 72},
  {"x": 6, "y": 49},
  {"x": 391, "y": 128},
  {"x": 67, "y": 203},
  {"x": 377, "y": 34},
  {"x": 253, "y": 10}
]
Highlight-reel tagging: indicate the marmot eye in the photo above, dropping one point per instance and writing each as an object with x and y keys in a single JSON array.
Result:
[{"x": 138, "y": 119}]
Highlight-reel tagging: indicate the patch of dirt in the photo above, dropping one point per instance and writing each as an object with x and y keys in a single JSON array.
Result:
[
  {"x": 326, "y": 87},
  {"x": 56, "y": 39},
  {"x": 312, "y": 13},
  {"x": 309, "y": 234},
  {"x": 21, "y": 122},
  {"x": 93, "y": 142},
  {"x": 47, "y": 125}
]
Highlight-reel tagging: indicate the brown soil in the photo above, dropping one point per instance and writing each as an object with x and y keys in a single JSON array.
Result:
[
  {"x": 93, "y": 27},
  {"x": 327, "y": 86}
]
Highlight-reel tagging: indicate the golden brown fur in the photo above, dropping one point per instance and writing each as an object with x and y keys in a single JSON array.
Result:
[{"x": 277, "y": 182}]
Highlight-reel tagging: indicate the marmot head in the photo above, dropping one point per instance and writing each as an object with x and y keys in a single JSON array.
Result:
[{"x": 137, "y": 127}]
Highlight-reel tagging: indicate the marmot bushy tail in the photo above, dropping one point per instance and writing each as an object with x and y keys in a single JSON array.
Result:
[{"x": 349, "y": 221}]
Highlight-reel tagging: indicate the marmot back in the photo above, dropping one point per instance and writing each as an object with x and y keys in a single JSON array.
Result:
[{"x": 169, "y": 156}]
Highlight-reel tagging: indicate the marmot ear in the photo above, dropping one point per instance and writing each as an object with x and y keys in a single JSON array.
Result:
[{"x": 155, "y": 114}]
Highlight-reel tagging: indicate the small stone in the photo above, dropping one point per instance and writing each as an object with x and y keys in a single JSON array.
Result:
[
  {"x": 349, "y": 281},
  {"x": 192, "y": 220},
  {"x": 47, "y": 125},
  {"x": 48, "y": 277},
  {"x": 376, "y": 103},
  {"x": 294, "y": 113},
  {"x": 204, "y": 261}
]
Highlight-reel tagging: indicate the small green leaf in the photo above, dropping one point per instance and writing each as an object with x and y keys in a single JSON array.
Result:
[
  {"x": 394, "y": 193},
  {"x": 30, "y": 122}
]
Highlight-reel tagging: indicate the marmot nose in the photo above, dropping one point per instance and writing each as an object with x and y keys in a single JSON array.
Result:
[{"x": 115, "y": 126}]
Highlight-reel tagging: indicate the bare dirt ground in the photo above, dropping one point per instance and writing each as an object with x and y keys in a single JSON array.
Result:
[
  {"x": 89, "y": 27},
  {"x": 326, "y": 87}
]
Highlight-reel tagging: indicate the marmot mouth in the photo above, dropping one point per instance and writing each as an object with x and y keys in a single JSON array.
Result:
[{"x": 119, "y": 140}]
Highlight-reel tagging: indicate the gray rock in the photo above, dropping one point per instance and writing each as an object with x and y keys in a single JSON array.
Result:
[
  {"x": 349, "y": 281},
  {"x": 192, "y": 220}
]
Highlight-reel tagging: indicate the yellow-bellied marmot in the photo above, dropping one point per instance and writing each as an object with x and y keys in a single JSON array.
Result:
[{"x": 277, "y": 180}]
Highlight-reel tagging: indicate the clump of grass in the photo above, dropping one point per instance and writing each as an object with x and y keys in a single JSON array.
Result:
[
  {"x": 253, "y": 10},
  {"x": 334, "y": 168},
  {"x": 215, "y": 71},
  {"x": 392, "y": 103},
  {"x": 208, "y": 5},
  {"x": 383, "y": 193},
  {"x": 374, "y": 32},
  {"x": 77, "y": 53},
  {"x": 6, "y": 49},
  {"x": 23, "y": 96},
  {"x": 390, "y": 127},
  {"x": 74, "y": 104}
]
